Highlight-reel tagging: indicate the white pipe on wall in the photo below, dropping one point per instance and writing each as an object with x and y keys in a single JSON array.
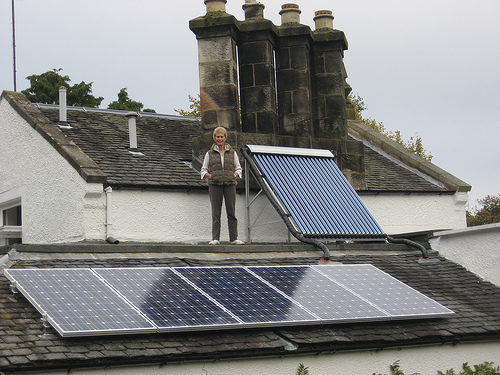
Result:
[{"x": 108, "y": 224}]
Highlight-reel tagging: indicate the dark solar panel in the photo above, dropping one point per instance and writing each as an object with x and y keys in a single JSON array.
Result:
[
  {"x": 246, "y": 296},
  {"x": 79, "y": 302},
  {"x": 319, "y": 199},
  {"x": 389, "y": 294},
  {"x": 75, "y": 302},
  {"x": 165, "y": 298},
  {"x": 319, "y": 294}
]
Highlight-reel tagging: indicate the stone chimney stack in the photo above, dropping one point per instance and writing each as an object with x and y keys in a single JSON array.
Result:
[
  {"x": 217, "y": 34},
  {"x": 293, "y": 73},
  {"x": 328, "y": 77},
  {"x": 292, "y": 82},
  {"x": 257, "y": 71}
]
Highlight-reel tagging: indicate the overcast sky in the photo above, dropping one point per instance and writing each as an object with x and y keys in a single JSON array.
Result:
[{"x": 426, "y": 67}]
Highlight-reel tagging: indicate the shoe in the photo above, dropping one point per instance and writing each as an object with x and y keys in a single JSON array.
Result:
[
  {"x": 214, "y": 242},
  {"x": 237, "y": 242}
]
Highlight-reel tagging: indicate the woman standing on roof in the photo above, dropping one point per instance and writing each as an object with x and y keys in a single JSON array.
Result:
[{"x": 221, "y": 167}]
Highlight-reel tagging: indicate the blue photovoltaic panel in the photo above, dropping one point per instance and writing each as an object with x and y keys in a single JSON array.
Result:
[
  {"x": 78, "y": 302},
  {"x": 389, "y": 294},
  {"x": 165, "y": 298},
  {"x": 320, "y": 295},
  {"x": 318, "y": 197},
  {"x": 246, "y": 296},
  {"x": 75, "y": 302}
]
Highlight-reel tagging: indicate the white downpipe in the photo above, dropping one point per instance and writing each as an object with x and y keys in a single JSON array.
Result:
[{"x": 108, "y": 224}]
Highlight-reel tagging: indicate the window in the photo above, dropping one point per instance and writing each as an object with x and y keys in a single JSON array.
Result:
[{"x": 11, "y": 228}]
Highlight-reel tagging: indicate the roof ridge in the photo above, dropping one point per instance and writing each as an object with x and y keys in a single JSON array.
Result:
[{"x": 117, "y": 111}]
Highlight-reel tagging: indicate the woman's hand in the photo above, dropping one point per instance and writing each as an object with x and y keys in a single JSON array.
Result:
[{"x": 208, "y": 176}]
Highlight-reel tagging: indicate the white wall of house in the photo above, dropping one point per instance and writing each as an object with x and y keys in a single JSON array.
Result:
[
  {"x": 423, "y": 360},
  {"x": 181, "y": 216},
  {"x": 51, "y": 192},
  {"x": 475, "y": 248},
  {"x": 405, "y": 213}
]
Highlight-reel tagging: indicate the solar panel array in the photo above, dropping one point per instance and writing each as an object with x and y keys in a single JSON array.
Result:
[
  {"x": 318, "y": 198},
  {"x": 100, "y": 301}
]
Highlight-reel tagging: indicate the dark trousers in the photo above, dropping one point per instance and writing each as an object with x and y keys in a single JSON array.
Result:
[{"x": 228, "y": 193}]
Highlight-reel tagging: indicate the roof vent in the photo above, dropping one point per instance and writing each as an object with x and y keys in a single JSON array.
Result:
[
  {"x": 63, "y": 112},
  {"x": 132, "y": 132}
]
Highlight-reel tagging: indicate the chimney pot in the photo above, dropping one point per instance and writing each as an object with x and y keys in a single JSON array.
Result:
[
  {"x": 323, "y": 19},
  {"x": 290, "y": 13},
  {"x": 216, "y": 6},
  {"x": 253, "y": 9}
]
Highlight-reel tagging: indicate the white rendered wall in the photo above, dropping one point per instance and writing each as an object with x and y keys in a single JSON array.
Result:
[
  {"x": 405, "y": 213},
  {"x": 423, "y": 360},
  {"x": 475, "y": 248},
  {"x": 181, "y": 216},
  {"x": 52, "y": 193}
]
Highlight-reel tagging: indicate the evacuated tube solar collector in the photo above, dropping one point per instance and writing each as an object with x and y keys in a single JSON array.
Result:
[{"x": 311, "y": 194}]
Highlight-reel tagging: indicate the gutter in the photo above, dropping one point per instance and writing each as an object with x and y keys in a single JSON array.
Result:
[{"x": 238, "y": 356}]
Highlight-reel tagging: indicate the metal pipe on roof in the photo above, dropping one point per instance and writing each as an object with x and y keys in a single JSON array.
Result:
[
  {"x": 63, "y": 113},
  {"x": 132, "y": 130},
  {"x": 423, "y": 250}
]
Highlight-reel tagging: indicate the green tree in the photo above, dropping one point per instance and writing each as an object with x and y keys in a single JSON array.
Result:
[
  {"x": 44, "y": 88},
  {"x": 194, "y": 106},
  {"x": 414, "y": 144},
  {"x": 127, "y": 104},
  {"x": 486, "y": 368},
  {"x": 487, "y": 213}
]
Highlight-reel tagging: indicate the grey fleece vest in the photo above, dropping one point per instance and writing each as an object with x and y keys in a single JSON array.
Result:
[{"x": 221, "y": 176}]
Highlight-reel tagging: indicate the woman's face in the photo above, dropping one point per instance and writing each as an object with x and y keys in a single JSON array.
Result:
[{"x": 220, "y": 139}]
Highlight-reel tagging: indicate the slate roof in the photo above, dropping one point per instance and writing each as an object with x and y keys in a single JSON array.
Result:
[
  {"x": 384, "y": 174},
  {"x": 165, "y": 142},
  {"x": 26, "y": 345}
]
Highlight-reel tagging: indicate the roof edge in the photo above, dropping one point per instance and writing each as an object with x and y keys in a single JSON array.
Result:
[
  {"x": 394, "y": 149},
  {"x": 83, "y": 164}
]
